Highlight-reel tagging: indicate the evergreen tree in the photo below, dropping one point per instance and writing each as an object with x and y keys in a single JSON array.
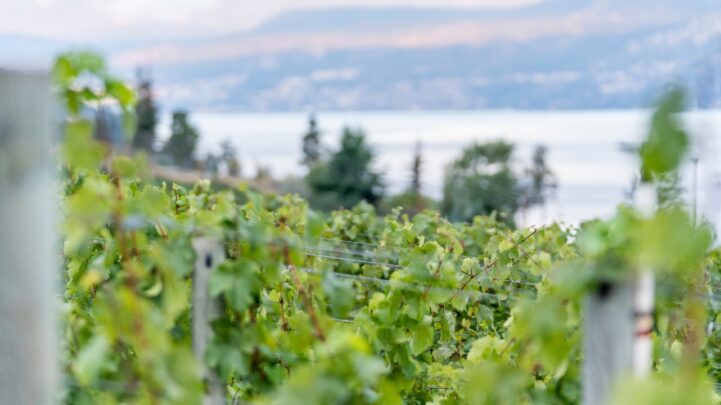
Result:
[
  {"x": 146, "y": 112},
  {"x": 347, "y": 177},
  {"x": 412, "y": 199},
  {"x": 416, "y": 170},
  {"x": 481, "y": 182},
  {"x": 542, "y": 182},
  {"x": 229, "y": 155},
  {"x": 212, "y": 164},
  {"x": 312, "y": 148},
  {"x": 183, "y": 139}
]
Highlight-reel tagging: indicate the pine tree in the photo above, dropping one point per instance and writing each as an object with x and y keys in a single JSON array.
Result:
[
  {"x": 312, "y": 148},
  {"x": 347, "y": 178},
  {"x": 212, "y": 165},
  {"x": 146, "y": 112},
  {"x": 542, "y": 180},
  {"x": 480, "y": 182},
  {"x": 183, "y": 139},
  {"x": 416, "y": 170},
  {"x": 418, "y": 199},
  {"x": 229, "y": 155},
  {"x": 412, "y": 199}
]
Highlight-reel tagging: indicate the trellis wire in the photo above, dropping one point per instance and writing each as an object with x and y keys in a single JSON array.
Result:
[
  {"x": 414, "y": 286},
  {"x": 353, "y": 260},
  {"x": 486, "y": 277},
  {"x": 377, "y": 245}
]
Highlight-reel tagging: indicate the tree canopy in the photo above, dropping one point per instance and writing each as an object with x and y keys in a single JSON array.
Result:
[
  {"x": 183, "y": 139},
  {"x": 146, "y": 113},
  {"x": 312, "y": 147},
  {"x": 347, "y": 177},
  {"x": 480, "y": 182}
]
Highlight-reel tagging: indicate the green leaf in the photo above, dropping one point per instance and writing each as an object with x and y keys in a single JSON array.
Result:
[
  {"x": 86, "y": 61},
  {"x": 388, "y": 394},
  {"x": 505, "y": 245},
  {"x": 421, "y": 337},
  {"x": 460, "y": 302},
  {"x": 667, "y": 143},
  {"x": 237, "y": 282},
  {"x": 63, "y": 70},
  {"x": 486, "y": 348},
  {"x": 120, "y": 91},
  {"x": 124, "y": 166},
  {"x": 91, "y": 359},
  {"x": 80, "y": 150},
  {"x": 315, "y": 226},
  {"x": 340, "y": 294}
]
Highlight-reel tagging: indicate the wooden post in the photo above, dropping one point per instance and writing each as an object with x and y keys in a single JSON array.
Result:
[
  {"x": 643, "y": 301},
  {"x": 209, "y": 253},
  {"x": 28, "y": 269},
  {"x": 644, "y": 294},
  {"x": 607, "y": 340},
  {"x": 617, "y": 326}
]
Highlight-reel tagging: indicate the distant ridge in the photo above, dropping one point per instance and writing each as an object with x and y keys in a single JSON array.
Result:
[
  {"x": 351, "y": 18},
  {"x": 557, "y": 54}
]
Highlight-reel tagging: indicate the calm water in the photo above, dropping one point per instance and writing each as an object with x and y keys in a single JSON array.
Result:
[{"x": 584, "y": 148}]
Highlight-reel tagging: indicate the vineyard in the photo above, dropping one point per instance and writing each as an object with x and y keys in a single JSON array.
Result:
[{"x": 352, "y": 308}]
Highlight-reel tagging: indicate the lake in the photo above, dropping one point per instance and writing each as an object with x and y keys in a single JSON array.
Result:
[{"x": 593, "y": 172}]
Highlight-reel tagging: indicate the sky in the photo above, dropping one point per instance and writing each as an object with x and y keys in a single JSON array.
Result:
[{"x": 100, "y": 20}]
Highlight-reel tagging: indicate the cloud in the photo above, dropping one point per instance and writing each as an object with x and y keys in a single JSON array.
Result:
[
  {"x": 442, "y": 34},
  {"x": 99, "y": 20},
  {"x": 127, "y": 12}
]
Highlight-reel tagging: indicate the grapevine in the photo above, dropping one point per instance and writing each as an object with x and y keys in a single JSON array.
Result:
[{"x": 347, "y": 307}]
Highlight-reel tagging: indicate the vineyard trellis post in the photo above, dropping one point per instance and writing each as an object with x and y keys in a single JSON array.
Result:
[
  {"x": 607, "y": 339},
  {"x": 644, "y": 295},
  {"x": 28, "y": 337},
  {"x": 617, "y": 326},
  {"x": 209, "y": 253}
]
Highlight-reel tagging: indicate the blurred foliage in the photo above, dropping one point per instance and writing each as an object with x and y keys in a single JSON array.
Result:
[
  {"x": 183, "y": 140},
  {"x": 229, "y": 155},
  {"x": 413, "y": 199},
  {"x": 146, "y": 112},
  {"x": 667, "y": 143},
  {"x": 481, "y": 182},
  {"x": 347, "y": 177},
  {"x": 82, "y": 78},
  {"x": 541, "y": 180},
  {"x": 411, "y": 202},
  {"x": 416, "y": 171},
  {"x": 312, "y": 145}
]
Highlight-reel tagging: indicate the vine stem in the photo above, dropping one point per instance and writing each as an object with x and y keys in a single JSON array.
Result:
[
  {"x": 695, "y": 313},
  {"x": 520, "y": 248},
  {"x": 435, "y": 275},
  {"x": 283, "y": 320},
  {"x": 489, "y": 266},
  {"x": 161, "y": 231},
  {"x": 465, "y": 283},
  {"x": 505, "y": 349},
  {"x": 127, "y": 265},
  {"x": 307, "y": 302}
]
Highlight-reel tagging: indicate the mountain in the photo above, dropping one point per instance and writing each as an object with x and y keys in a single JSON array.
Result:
[
  {"x": 364, "y": 18},
  {"x": 562, "y": 54},
  {"x": 556, "y": 54}
]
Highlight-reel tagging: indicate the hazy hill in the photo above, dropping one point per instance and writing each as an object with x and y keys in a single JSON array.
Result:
[
  {"x": 555, "y": 54},
  {"x": 384, "y": 18}
]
